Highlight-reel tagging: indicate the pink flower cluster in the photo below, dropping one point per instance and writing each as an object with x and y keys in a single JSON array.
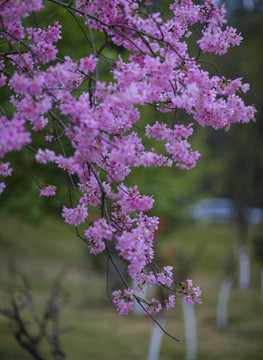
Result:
[
  {"x": 75, "y": 216},
  {"x": 48, "y": 190},
  {"x": 42, "y": 42},
  {"x": 93, "y": 128},
  {"x": 13, "y": 134},
  {"x": 123, "y": 301},
  {"x": 2, "y": 187},
  {"x": 11, "y": 12},
  {"x": 5, "y": 170},
  {"x": 96, "y": 235},
  {"x": 153, "y": 306},
  {"x": 195, "y": 297},
  {"x": 194, "y": 294},
  {"x": 176, "y": 144}
]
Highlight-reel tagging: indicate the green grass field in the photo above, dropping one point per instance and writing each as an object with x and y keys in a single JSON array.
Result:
[{"x": 96, "y": 332}]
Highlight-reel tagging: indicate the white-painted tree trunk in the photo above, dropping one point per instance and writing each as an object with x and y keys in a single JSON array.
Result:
[
  {"x": 190, "y": 331},
  {"x": 223, "y": 302},
  {"x": 244, "y": 267},
  {"x": 156, "y": 339}
]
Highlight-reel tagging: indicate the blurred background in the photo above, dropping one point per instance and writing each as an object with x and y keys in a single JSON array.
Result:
[{"x": 210, "y": 230}]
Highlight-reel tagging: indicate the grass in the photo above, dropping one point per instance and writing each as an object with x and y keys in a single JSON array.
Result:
[{"x": 97, "y": 331}]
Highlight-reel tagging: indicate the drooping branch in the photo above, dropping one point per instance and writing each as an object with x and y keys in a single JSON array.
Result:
[{"x": 98, "y": 136}]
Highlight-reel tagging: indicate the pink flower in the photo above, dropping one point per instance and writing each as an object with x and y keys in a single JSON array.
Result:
[
  {"x": 13, "y": 134},
  {"x": 197, "y": 294},
  {"x": 2, "y": 80},
  {"x": 45, "y": 156},
  {"x": 153, "y": 307},
  {"x": 170, "y": 303},
  {"x": 97, "y": 233},
  {"x": 76, "y": 215},
  {"x": 5, "y": 170},
  {"x": 49, "y": 190},
  {"x": 88, "y": 64},
  {"x": 166, "y": 277},
  {"x": 2, "y": 187},
  {"x": 189, "y": 284},
  {"x": 188, "y": 300},
  {"x": 123, "y": 301}
]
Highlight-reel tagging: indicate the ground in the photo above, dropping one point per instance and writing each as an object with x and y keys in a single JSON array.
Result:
[{"x": 93, "y": 329}]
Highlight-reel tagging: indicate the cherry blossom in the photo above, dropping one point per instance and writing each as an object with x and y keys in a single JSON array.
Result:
[
  {"x": 123, "y": 301},
  {"x": 97, "y": 234},
  {"x": 49, "y": 190},
  {"x": 2, "y": 187},
  {"x": 75, "y": 216},
  {"x": 96, "y": 134}
]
